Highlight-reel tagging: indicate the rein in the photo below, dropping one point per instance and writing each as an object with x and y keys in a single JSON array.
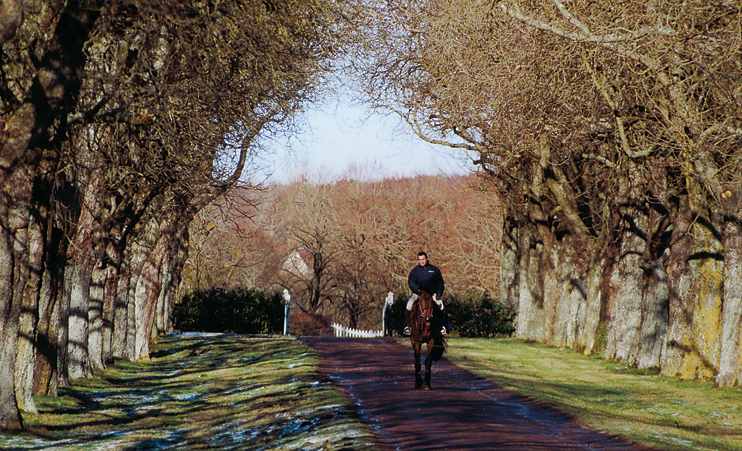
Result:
[{"x": 420, "y": 325}]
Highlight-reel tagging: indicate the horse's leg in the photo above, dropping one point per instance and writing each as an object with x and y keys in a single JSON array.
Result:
[
  {"x": 428, "y": 364},
  {"x": 418, "y": 380}
]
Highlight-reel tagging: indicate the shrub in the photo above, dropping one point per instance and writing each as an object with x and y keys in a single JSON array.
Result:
[
  {"x": 310, "y": 325},
  {"x": 469, "y": 317},
  {"x": 482, "y": 317},
  {"x": 238, "y": 310},
  {"x": 394, "y": 318}
]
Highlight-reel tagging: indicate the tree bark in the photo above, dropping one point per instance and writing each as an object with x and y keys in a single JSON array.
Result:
[
  {"x": 26, "y": 354},
  {"x": 10, "y": 311},
  {"x": 730, "y": 362},
  {"x": 529, "y": 324},
  {"x": 695, "y": 283},
  {"x": 594, "y": 303},
  {"x": 77, "y": 277},
  {"x": 96, "y": 317},
  {"x": 655, "y": 316},
  {"x": 627, "y": 289},
  {"x": 120, "y": 314},
  {"x": 571, "y": 305},
  {"x": 178, "y": 254},
  {"x": 109, "y": 307},
  {"x": 16, "y": 181},
  {"x": 509, "y": 258},
  {"x": 46, "y": 376}
]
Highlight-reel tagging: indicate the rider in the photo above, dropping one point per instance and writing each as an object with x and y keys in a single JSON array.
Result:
[{"x": 424, "y": 276}]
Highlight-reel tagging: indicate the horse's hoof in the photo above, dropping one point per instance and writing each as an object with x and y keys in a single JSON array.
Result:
[{"x": 427, "y": 387}]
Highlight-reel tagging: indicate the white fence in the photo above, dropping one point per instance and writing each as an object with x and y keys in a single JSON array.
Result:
[{"x": 342, "y": 331}]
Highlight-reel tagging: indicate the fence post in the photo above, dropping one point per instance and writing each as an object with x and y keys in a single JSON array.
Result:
[
  {"x": 287, "y": 307},
  {"x": 387, "y": 305}
]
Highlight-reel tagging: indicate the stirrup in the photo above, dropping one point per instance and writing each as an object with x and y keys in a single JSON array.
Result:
[
  {"x": 443, "y": 330},
  {"x": 407, "y": 331}
]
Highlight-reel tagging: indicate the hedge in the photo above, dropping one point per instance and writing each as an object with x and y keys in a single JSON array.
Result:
[
  {"x": 469, "y": 316},
  {"x": 238, "y": 310}
]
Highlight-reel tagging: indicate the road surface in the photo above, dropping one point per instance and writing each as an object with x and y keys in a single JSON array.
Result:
[{"x": 462, "y": 412}]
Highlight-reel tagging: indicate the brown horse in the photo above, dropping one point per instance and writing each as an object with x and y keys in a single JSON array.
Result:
[{"x": 426, "y": 320}]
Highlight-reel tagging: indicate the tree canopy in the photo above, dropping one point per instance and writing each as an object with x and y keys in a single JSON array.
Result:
[
  {"x": 120, "y": 120},
  {"x": 612, "y": 132}
]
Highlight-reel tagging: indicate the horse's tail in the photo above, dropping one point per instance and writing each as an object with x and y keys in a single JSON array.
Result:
[{"x": 439, "y": 347}]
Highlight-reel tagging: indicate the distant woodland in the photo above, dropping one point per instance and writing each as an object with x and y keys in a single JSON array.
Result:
[{"x": 340, "y": 247}]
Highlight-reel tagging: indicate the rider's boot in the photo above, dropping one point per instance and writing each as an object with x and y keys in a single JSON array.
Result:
[{"x": 407, "y": 331}]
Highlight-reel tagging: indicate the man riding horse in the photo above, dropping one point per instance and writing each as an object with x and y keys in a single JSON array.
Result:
[{"x": 424, "y": 276}]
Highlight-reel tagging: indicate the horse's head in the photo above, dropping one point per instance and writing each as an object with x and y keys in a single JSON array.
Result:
[{"x": 425, "y": 306}]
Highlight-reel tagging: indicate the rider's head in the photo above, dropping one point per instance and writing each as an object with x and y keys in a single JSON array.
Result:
[{"x": 422, "y": 258}]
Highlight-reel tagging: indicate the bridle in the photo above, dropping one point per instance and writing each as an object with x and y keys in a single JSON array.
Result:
[
  {"x": 425, "y": 319},
  {"x": 426, "y": 314}
]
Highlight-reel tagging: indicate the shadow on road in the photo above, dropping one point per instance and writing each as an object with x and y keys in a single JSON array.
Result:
[{"x": 462, "y": 411}]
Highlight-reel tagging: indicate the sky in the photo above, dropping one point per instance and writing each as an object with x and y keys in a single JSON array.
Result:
[{"x": 342, "y": 135}]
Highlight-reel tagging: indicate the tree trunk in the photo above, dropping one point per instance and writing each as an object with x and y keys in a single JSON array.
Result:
[
  {"x": 695, "y": 284},
  {"x": 26, "y": 354},
  {"x": 529, "y": 322},
  {"x": 129, "y": 351},
  {"x": 730, "y": 364},
  {"x": 177, "y": 256},
  {"x": 77, "y": 276},
  {"x": 46, "y": 377},
  {"x": 109, "y": 306},
  {"x": 626, "y": 304},
  {"x": 510, "y": 251},
  {"x": 124, "y": 326},
  {"x": 24, "y": 344},
  {"x": 120, "y": 323},
  {"x": 96, "y": 318},
  {"x": 570, "y": 305},
  {"x": 551, "y": 289},
  {"x": 16, "y": 185},
  {"x": 655, "y": 316},
  {"x": 63, "y": 315},
  {"x": 10, "y": 311},
  {"x": 150, "y": 289},
  {"x": 147, "y": 293},
  {"x": 593, "y": 303}
]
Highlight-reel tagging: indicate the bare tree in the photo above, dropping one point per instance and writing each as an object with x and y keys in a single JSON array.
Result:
[
  {"x": 366, "y": 234},
  {"x": 119, "y": 123},
  {"x": 309, "y": 226},
  {"x": 665, "y": 71},
  {"x": 602, "y": 125}
]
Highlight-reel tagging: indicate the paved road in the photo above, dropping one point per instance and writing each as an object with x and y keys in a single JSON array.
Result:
[{"x": 462, "y": 412}]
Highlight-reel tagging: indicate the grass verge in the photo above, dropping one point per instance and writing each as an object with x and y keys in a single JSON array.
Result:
[
  {"x": 201, "y": 392},
  {"x": 660, "y": 412}
]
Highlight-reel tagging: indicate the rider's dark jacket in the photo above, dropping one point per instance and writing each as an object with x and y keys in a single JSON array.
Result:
[{"x": 426, "y": 278}]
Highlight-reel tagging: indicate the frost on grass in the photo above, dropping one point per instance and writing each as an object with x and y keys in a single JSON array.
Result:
[{"x": 200, "y": 391}]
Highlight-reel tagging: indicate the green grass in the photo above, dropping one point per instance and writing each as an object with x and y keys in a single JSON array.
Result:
[
  {"x": 201, "y": 392},
  {"x": 661, "y": 412},
  {"x": 231, "y": 392}
]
